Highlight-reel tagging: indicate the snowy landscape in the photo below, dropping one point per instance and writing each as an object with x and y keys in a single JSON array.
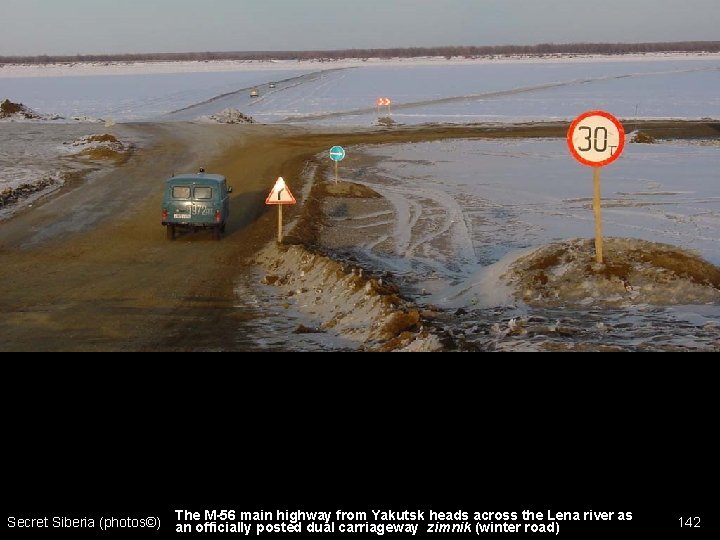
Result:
[
  {"x": 462, "y": 210},
  {"x": 344, "y": 92},
  {"x": 424, "y": 90}
]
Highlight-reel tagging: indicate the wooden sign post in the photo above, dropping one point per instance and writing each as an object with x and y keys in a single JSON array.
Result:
[
  {"x": 596, "y": 139},
  {"x": 597, "y": 211},
  {"x": 280, "y": 195},
  {"x": 337, "y": 154}
]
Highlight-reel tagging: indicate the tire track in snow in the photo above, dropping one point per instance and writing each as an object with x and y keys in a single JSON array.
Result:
[
  {"x": 426, "y": 219},
  {"x": 286, "y": 84},
  {"x": 485, "y": 95}
]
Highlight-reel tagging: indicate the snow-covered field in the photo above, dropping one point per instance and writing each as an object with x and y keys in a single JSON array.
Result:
[
  {"x": 344, "y": 93},
  {"x": 503, "y": 92},
  {"x": 422, "y": 90},
  {"x": 126, "y": 98},
  {"x": 462, "y": 204},
  {"x": 525, "y": 192},
  {"x": 465, "y": 210}
]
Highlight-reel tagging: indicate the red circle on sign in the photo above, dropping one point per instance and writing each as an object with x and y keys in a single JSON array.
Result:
[{"x": 587, "y": 117}]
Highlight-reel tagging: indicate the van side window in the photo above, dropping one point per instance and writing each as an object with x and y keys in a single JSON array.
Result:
[
  {"x": 181, "y": 192},
  {"x": 203, "y": 192}
]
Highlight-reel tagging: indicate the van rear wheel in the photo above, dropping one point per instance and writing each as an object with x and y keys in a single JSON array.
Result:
[
  {"x": 216, "y": 232},
  {"x": 170, "y": 232}
]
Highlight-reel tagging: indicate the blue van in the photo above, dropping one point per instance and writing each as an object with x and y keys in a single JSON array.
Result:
[{"x": 194, "y": 202}]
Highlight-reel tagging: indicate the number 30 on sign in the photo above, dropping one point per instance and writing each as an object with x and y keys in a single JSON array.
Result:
[{"x": 596, "y": 138}]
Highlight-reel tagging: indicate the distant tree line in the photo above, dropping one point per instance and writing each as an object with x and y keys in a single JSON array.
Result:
[{"x": 542, "y": 49}]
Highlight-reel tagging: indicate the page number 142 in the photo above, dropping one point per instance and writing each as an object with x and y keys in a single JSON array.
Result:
[{"x": 692, "y": 522}]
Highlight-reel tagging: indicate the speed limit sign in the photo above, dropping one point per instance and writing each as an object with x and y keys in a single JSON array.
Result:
[{"x": 596, "y": 138}]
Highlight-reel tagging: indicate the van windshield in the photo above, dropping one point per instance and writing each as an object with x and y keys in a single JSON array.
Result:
[
  {"x": 203, "y": 192},
  {"x": 181, "y": 192}
]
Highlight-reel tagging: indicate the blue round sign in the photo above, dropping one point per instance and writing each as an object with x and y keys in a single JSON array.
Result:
[{"x": 337, "y": 153}]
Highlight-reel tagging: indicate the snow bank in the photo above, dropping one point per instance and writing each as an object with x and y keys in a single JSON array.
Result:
[
  {"x": 345, "y": 301},
  {"x": 29, "y": 192},
  {"x": 98, "y": 147},
  {"x": 17, "y": 112},
  {"x": 227, "y": 116}
]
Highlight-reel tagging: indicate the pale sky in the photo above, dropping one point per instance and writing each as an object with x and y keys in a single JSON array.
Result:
[{"x": 68, "y": 27}]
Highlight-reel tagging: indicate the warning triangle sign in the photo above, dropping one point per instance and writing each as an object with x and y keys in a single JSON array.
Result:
[{"x": 280, "y": 194}]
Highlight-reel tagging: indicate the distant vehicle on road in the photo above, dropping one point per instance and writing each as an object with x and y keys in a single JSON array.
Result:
[
  {"x": 194, "y": 202},
  {"x": 272, "y": 85},
  {"x": 254, "y": 92}
]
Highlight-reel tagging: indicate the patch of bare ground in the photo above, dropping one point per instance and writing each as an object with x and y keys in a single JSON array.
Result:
[
  {"x": 231, "y": 116},
  {"x": 104, "y": 137},
  {"x": 386, "y": 121},
  {"x": 633, "y": 272},
  {"x": 642, "y": 138},
  {"x": 17, "y": 111},
  {"x": 346, "y": 190},
  {"x": 675, "y": 129},
  {"x": 102, "y": 147},
  {"x": 102, "y": 153},
  {"x": 8, "y": 108},
  {"x": 327, "y": 203}
]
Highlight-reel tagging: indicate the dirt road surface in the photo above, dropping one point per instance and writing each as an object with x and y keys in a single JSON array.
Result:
[{"x": 90, "y": 268}]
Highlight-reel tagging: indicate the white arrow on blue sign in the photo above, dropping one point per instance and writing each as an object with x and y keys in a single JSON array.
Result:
[{"x": 337, "y": 153}]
